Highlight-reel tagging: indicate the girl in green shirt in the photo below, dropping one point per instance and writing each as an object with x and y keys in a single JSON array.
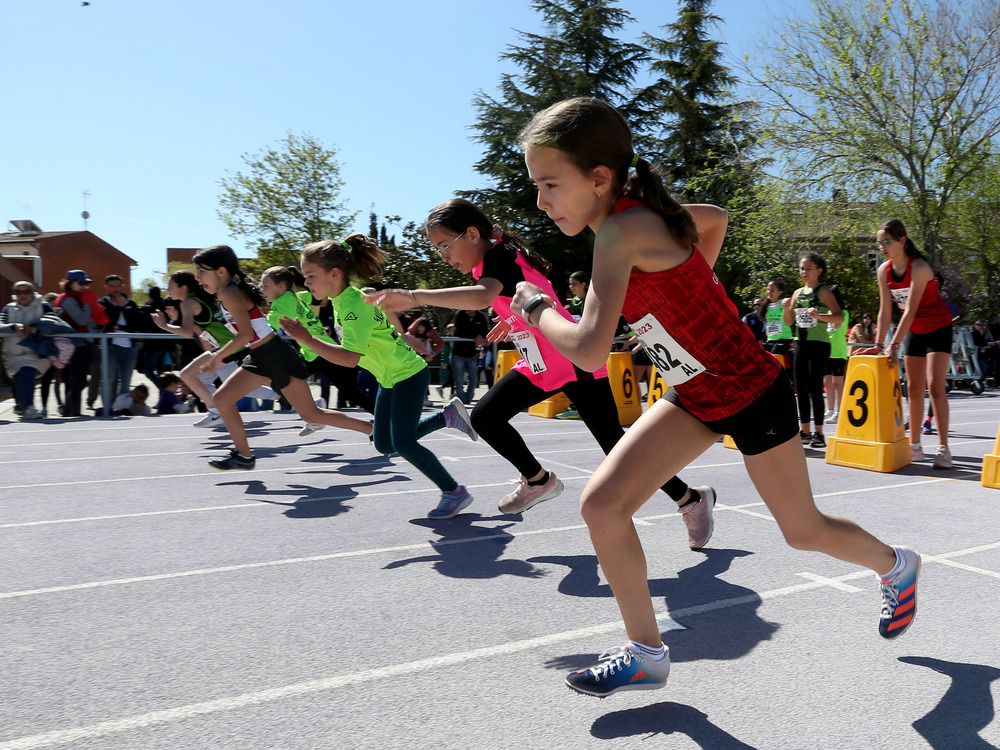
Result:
[{"x": 370, "y": 341}]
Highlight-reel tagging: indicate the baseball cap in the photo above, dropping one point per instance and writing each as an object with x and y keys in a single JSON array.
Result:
[{"x": 78, "y": 275}]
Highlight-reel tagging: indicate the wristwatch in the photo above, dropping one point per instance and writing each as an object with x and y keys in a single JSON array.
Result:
[{"x": 531, "y": 304}]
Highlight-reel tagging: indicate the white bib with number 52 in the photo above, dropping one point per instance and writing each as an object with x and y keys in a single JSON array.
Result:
[
  {"x": 674, "y": 364},
  {"x": 803, "y": 319}
]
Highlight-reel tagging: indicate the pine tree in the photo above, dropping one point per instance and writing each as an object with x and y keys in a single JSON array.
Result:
[{"x": 580, "y": 56}]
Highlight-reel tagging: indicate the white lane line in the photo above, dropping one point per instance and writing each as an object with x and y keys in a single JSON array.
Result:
[
  {"x": 335, "y": 682},
  {"x": 832, "y": 582}
]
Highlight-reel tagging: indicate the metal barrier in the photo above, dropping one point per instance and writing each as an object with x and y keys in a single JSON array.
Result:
[{"x": 104, "y": 338}]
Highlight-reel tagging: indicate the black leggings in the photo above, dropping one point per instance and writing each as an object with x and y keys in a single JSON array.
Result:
[
  {"x": 811, "y": 358},
  {"x": 514, "y": 393}
]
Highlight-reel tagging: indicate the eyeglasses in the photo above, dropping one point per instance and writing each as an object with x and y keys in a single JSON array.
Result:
[
  {"x": 23, "y": 291},
  {"x": 882, "y": 243},
  {"x": 445, "y": 249}
]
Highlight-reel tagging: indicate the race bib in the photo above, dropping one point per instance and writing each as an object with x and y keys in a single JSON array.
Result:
[
  {"x": 527, "y": 347},
  {"x": 209, "y": 339},
  {"x": 773, "y": 328},
  {"x": 803, "y": 319},
  {"x": 673, "y": 363},
  {"x": 902, "y": 296}
]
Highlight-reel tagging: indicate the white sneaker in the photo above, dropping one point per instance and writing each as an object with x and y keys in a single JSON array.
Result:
[
  {"x": 830, "y": 414},
  {"x": 526, "y": 496},
  {"x": 310, "y": 428},
  {"x": 320, "y": 403},
  {"x": 916, "y": 452},
  {"x": 943, "y": 458},
  {"x": 211, "y": 419},
  {"x": 698, "y": 517}
]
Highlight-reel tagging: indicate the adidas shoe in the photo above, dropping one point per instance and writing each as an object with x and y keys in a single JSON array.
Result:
[
  {"x": 456, "y": 417},
  {"x": 699, "y": 518},
  {"x": 452, "y": 503},
  {"x": 899, "y": 595},
  {"x": 623, "y": 669},
  {"x": 211, "y": 419},
  {"x": 233, "y": 461},
  {"x": 527, "y": 495}
]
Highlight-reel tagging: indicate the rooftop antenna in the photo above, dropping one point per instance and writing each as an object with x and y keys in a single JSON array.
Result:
[{"x": 85, "y": 213}]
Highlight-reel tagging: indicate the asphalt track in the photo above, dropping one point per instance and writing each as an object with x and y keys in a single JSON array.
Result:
[{"x": 151, "y": 602}]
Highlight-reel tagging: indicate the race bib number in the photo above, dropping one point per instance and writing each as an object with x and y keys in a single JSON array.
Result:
[
  {"x": 773, "y": 328},
  {"x": 674, "y": 364},
  {"x": 527, "y": 347},
  {"x": 902, "y": 296},
  {"x": 209, "y": 339},
  {"x": 803, "y": 319}
]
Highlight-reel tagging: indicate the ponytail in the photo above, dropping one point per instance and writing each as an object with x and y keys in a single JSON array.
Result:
[
  {"x": 290, "y": 276},
  {"x": 592, "y": 133},
  {"x": 358, "y": 256},
  {"x": 897, "y": 230},
  {"x": 223, "y": 256},
  {"x": 458, "y": 214}
]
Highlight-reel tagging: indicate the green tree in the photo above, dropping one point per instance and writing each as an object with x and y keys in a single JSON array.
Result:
[
  {"x": 578, "y": 56},
  {"x": 288, "y": 197},
  {"x": 885, "y": 99}
]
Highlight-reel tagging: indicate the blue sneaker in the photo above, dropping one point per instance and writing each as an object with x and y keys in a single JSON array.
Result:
[
  {"x": 452, "y": 503},
  {"x": 899, "y": 595},
  {"x": 624, "y": 669}
]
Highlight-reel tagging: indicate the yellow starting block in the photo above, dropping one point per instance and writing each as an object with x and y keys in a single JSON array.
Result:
[
  {"x": 506, "y": 359},
  {"x": 991, "y": 466},
  {"x": 870, "y": 432},
  {"x": 623, "y": 385},
  {"x": 657, "y": 388},
  {"x": 548, "y": 408}
]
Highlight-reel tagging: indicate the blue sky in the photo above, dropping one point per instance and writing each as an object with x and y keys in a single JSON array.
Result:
[{"x": 147, "y": 105}]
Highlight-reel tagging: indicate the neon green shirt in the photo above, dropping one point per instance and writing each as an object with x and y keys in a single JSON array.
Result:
[
  {"x": 367, "y": 331},
  {"x": 774, "y": 322},
  {"x": 296, "y": 306},
  {"x": 838, "y": 338}
]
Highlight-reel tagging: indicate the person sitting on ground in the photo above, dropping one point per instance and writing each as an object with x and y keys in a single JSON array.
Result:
[
  {"x": 133, "y": 403},
  {"x": 170, "y": 402}
]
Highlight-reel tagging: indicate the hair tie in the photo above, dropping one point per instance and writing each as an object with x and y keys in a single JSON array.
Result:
[
  {"x": 497, "y": 232},
  {"x": 345, "y": 244},
  {"x": 635, "y": 159}
]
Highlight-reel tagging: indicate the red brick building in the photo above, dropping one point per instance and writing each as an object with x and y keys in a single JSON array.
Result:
[{"x": 43, "y": 258}]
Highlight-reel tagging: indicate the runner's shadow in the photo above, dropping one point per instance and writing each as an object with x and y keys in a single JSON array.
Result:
[
  {"x": 666, "y": 718},
  {"x": 719, "y": 618},
  {"x": 309, "y": 502},
  {"x": 467, "y": 551},
  {"x": 965, "y": 709}
]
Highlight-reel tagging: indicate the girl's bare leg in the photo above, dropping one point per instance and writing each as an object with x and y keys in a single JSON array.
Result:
[
  {"x": 916, "y": 382},
  {"x": 937, "y": 377},
  {"x": 300, "y": 397},
  {"x": 191, "y": 377},
  {"x": 782, "y": 479},
  {"x": 236, "y": 386},
  {"x": 634, "y": 470}
]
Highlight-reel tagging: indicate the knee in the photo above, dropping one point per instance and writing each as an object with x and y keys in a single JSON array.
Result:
[
  {"x": 224, "y": 399},
  {"x": 805, "y": 537},
  {"x": 601, "y": 509}
]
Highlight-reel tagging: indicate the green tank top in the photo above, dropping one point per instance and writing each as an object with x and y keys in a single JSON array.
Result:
[
  {"x": 838, "y": 338},
  {"x": 210, "y": 320},
  {"x": 774, "y": 322},
  {"x": 814, "y": 330}
]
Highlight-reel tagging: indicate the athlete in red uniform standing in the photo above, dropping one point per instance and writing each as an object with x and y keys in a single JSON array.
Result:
[
  {"x": 647, "y": 267},
  {"x": 906, "y": 278}
]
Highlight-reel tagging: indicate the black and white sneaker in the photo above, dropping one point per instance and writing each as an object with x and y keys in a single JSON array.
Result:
[
  {"x": 233, "y": 461},
  {"x": 818, "y": 441}
]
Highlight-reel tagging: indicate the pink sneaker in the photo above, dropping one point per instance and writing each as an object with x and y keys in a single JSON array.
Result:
[
  {"x": 526, "y": 496},
  {"x": 699, "y": 518}
]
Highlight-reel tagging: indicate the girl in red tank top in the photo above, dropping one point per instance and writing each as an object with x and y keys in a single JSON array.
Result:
[
  {"x": 652, "y": 262},
  {"x": 907, "y": 280}
]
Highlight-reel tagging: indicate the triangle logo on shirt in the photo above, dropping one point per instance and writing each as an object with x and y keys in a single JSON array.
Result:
[{"x": 350, "y": 316}]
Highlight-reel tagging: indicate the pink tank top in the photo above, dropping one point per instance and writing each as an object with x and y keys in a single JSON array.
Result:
[{"x": 540, "y": 361}]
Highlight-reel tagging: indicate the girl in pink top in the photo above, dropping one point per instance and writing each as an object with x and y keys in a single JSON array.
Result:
[{"x": 469, "y": 242}]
